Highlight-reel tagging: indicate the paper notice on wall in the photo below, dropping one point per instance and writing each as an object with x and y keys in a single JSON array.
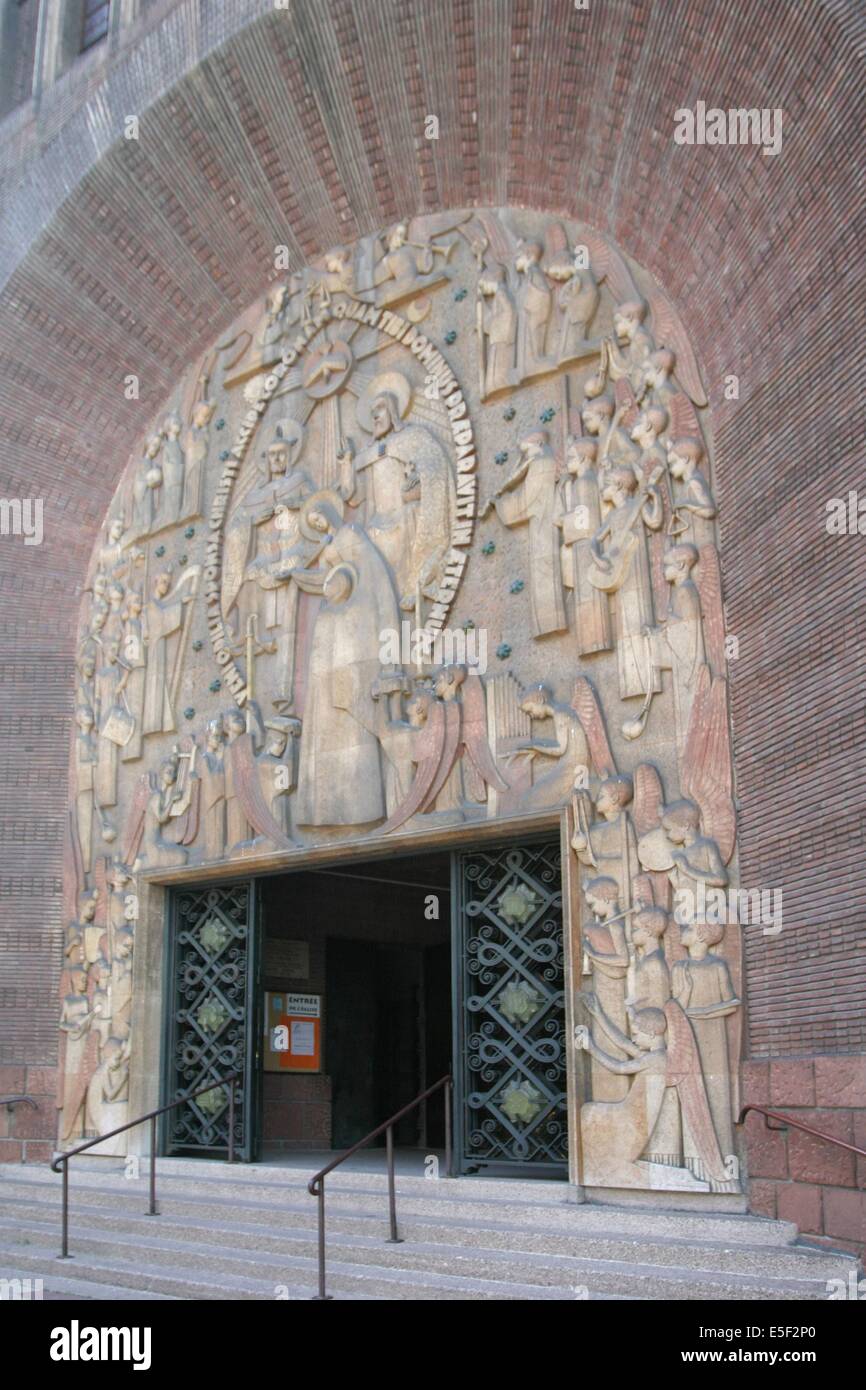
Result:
[
  {"x": 303, "y": 1038},
  {"x": 293, "y": 1032}
]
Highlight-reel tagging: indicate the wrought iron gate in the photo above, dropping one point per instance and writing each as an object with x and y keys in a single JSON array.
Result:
[
  {"x": 214, "y": 1025},
  {"x": 510, "y": 1061}
]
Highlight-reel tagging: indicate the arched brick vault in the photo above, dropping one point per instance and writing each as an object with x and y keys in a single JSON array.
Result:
[{"x": 305, "y": 127}]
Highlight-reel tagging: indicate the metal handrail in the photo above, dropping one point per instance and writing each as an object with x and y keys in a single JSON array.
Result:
[
  {"x": 798, "y": 1124},
  {"x": 316, "y": 1185},
  {"x": 9, "y": 1101},
  {"x": 152, "y": 1115}
]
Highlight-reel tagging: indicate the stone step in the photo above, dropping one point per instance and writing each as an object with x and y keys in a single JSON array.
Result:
[
  {"x": 260, "y": 1229},
  {"x": 106, "y": 1273},
  {"x": 276, "y": 1178},
  {"x": 366, "y": 1257},
  {"x": 227, "y": 1232},
  {"x": 463, "y": 1198},
  {"x": 111, "y": 1279}
]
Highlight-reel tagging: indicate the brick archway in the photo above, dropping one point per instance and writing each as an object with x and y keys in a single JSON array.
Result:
[{"x": 306, "y": 127}]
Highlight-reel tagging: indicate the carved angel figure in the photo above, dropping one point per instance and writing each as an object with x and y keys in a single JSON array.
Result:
[
  {"x": 564, "y": 757},
  {"x": 703, "y": 988},
  {"x": 662, "y": 1053},
  {"x": 449, "y": 747}
]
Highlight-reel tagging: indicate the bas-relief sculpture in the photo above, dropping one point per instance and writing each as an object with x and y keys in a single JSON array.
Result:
[{"x": 338, "y": 468}]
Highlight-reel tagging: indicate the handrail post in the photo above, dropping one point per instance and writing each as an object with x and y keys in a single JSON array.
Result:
[
  {"x": 60, "y": 1164},
  {"x": 151, "y": 1211},
  {"x": 393, "y": 1239},
  {"x": 231, "y": 1157},
  {"x": 321, "y": 1295},
  {"x": 64, "y": 1248},
  {"x": 316, "y": 1184}
]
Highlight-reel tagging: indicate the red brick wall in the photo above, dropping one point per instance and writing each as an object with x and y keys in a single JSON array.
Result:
[
  {"x": 28, "y": 1135},
  {"x": 795, "y": 1176},
  {"x": 296, "y": 1112},
  {"x": 308, "y": 129}
]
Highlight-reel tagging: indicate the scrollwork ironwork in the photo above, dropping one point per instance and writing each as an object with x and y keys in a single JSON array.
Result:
[
  {"x": 210, "y": 961},
  {"x": 512, "y": 988}
]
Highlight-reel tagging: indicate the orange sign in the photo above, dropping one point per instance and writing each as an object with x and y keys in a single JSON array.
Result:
[{"x": 293, "y": 1031}]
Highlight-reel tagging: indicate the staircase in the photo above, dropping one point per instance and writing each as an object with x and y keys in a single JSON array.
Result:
[{"x": 250, "y": 1232}]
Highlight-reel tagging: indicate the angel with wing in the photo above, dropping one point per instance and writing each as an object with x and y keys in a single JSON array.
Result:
[
  {"x": 661, "y": 1053},
  {"x": 564, "y": 757},
  {"x": 171, "y": 814},
  {"x": 256, "y": 796},
  {"x": 446, "y": 740},
  {"x": 627, "y": 352},
  {"x": 694, "y": 507},
  {"x": 692, "y": 861},
  {"x": 604, "y": 837},
  {"x": 669, "y": 333},
  {"x": 703, "y": 988},
  {"x": 473, "y": 768},
  {"x": 593, "y": 262},
  {"x": 410, "y": 745}
]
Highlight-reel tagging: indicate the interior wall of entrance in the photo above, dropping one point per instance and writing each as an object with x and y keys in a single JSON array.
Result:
[{"x": 371, "y": 942}]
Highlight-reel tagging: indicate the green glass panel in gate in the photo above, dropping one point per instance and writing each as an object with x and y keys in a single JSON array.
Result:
[
  {"x": 510, "y": 1063},
  {"x": 213, "y": 1024}
]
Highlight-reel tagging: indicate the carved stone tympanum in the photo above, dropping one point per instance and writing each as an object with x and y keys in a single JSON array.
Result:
[{"x": 429, "y": 539}]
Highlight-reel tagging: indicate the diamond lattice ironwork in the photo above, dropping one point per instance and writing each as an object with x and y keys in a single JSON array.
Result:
[
  {"x": 209, "y": 1024},
  {"x": 513, "y": 1059}
]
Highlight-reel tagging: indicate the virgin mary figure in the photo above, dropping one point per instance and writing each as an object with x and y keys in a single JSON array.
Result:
[{"x": 340, "y": 775}]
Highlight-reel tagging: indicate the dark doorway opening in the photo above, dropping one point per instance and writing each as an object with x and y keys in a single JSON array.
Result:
[{"x": 369, "y": 946}]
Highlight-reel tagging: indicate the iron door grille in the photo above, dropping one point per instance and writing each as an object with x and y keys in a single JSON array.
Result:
[
  {"x": 213, "y": 1023},
  {"x": 510, "y": 1060}
]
